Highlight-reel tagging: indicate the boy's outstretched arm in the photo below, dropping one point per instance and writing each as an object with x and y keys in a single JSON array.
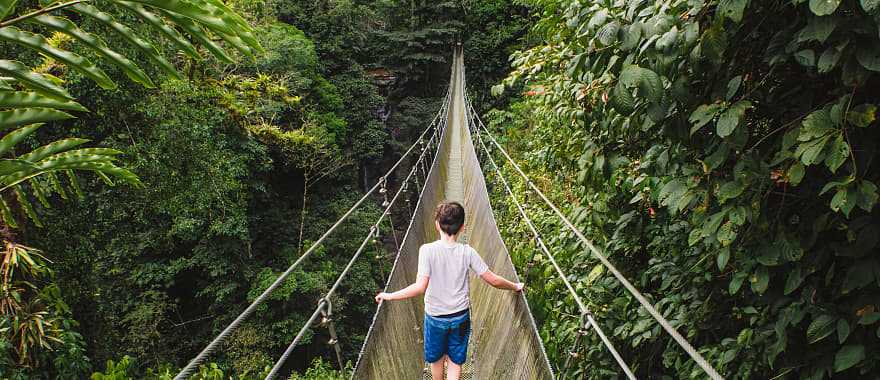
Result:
[
  {"x": 413, "y": 290},
  {"x": 500, "y": 282}
]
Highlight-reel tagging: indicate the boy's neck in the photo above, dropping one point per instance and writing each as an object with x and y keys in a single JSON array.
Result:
[{"x": 448, "y": 239}]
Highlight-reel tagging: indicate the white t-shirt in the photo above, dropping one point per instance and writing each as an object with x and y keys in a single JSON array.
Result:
[{"x": 447, "y": 267}]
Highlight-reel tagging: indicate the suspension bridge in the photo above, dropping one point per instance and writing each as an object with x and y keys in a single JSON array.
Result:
[{"x": 504, "y": 343}]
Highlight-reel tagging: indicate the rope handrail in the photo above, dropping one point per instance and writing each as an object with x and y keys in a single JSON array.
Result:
[
  {"x": 585, "y": 311},
  {"x": 682, "y": 342},
  {"x": 209, "y": 349},
  {"x": 324, "y": 302}
]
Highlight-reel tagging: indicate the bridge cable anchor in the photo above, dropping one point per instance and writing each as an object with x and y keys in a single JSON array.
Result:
[{"x": 327, "y": 320}]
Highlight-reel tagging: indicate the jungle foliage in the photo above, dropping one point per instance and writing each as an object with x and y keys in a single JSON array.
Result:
[
  {"x": 236, "y": 163},
  {"x": 723, "y": 153}
]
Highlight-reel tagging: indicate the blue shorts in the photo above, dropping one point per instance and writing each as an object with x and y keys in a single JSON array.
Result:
[{"x": 447, "y": 336}]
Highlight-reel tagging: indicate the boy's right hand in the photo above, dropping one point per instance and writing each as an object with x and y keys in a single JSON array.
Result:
[
  {"x": 519, "y": 286},
  {"x": 383, "y": 297}
]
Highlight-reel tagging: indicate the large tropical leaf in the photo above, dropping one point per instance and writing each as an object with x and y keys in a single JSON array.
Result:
[
  {"x": 38, "y": 43},
  {"x": 157, "y": 22},
  {"x": 63, "y": 25},
  {"x": 38, "y": 82},
  {"x": 22, "y": 116},
  {"x": 129, "y": 35},
  {"x": 30, "y": 97}
]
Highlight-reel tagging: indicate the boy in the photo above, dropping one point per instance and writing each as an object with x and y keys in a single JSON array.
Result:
[{"x": 443, "y": 278}]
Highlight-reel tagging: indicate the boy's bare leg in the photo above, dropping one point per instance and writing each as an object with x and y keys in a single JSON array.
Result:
[
  {"x": 453, "y": 371},
  {"x": 437, "y": 368}
]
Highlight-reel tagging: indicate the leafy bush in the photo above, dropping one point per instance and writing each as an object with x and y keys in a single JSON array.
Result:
[{"x": 723, "y": 152}]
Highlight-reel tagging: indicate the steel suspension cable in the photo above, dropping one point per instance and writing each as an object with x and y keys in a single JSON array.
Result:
[
  {"x": 324, "y": 303},
  {"x": 585, "y": 311},
  {"x": 209, "y": 349},
  {"x": 682, "y": 342}
]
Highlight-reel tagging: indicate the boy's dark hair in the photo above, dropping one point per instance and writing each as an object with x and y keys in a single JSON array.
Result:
[{"x": 451, "y": 217}]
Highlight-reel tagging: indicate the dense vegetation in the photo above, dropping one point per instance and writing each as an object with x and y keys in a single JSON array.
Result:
[
  {"x": 723, "y": 154},
  {"x": 234, "y": 164},
  {"x": 721, "y": 151}
]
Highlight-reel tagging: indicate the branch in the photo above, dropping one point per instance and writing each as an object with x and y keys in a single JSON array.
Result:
[{"x": 39, "y": 12}]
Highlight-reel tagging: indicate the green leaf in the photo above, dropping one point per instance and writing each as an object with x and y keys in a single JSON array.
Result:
[
  {"x": 732, "y": 117},
  {"x": 726, "y": 234},
  {"x": 9, "y": 166},
  {"x": 646, "y": 81},
  {"x": 796, "y": 173},
  {"x": 769, "y": 255},
  {"x": 834, "y": 184},
  {"x": 26, "y": 206},
  {"x": 671, "y": 192},
  {"x": 820, "y": 328},
  {"x": 31, "y": 99},
  {"x": 824, "y": 7},
  {"x": 710, "y": 227},
  {"x": 817, "y": 124},
  {"x": 195, "y": 31},
  {"x": 848, "y": 356},
  {"x": 631, "y": 36},
  {"x": 736, "y": 282},
  {"x": 6, "y": 8},
  {"x": 32, "y": 80},
  {"x": 75, "y": 61},
  {"x": 869, "y": 57},
  {"x": 668, "y": 39},
  {"x": 722, "y": 258},
  {"x": 7, "y": 214},
  {"x": 866, "y": 197},
  {"x": 817, "y": 29},
  {"x": 760, "y": 280},
  {"x": 703, "y": 115},
  {"x": 594, "y": 274},
  {"x": 129, "y": 35},
  {"x": 738, "y": 215},
  {"x": 598, "y": 18},
  {"x": 806, "y": 57},
  {"x": 607, "y": 34},
  {"x": 862, "y": 115},
  {"x": 39, "y": 192},
  {"x": 732, "y": 9},
  {"x": 733, "y": 87},
  {"x": 172, "y": 34},
  {"x": 843, "y": 201},
  {"x": 869, "y": 318},
  {"x": 65, "y": 26},
  {"x": 829, "y": 58},
  {"x": 621, "y": 99},
  {"x": 730, "y": 190},
  {"x": 23, "y": 116},
  {"x": 842, "y": 330},
  {"x": 203, "y": 15},
  {"x": 838, "y": 154},
  {"x": 238, "y": 44},
  {"x": 54, "y": 147},
  {"x": 695, "y": 236},
  {"x": 811, "y": 152},
  {"x": 12, "y": 138},
  {"x": 794, "y": 280}
]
